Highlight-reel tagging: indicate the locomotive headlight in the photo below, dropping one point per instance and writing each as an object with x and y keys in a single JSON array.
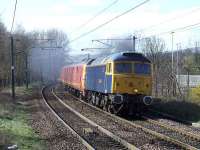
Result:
[{"x": 135, "y": 90}]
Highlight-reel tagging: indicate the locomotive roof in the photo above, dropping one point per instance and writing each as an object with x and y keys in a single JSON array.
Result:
[{"x": 123, "y": 56}]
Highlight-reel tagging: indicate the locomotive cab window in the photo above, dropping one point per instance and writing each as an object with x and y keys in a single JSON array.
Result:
[
  {"x": 140, "y": 68},
  {"x": 124, "y": 67}
]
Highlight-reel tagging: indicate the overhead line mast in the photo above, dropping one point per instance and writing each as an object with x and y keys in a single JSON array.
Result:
[{"x": 116, "y": 39}]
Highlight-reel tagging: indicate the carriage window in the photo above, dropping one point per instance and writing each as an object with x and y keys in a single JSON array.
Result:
[
  {"x": 142, "y": 68},
  {"x": 123, "y": 68}
]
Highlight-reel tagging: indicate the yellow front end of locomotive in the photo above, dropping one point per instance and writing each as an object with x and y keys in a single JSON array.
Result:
[
  {"x": 132, "y": 78},
  {"x": 131, "y": 84}
]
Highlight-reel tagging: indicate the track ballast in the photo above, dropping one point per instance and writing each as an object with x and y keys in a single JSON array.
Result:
[
  {"x": 90, "y": 135},
  {"x": 135, "y": 134}
]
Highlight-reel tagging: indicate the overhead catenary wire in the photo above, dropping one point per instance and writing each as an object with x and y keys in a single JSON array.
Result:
[
  {"x": 192, "y": 28},
  {"x": 95, "y": 16},
  {"x": 188, "y": 27},
  {"x": 13, "y": 18},
  {"x": 114, "y": 39},
  {"x": 184, "y": 28},
  {"x": 107, "y": 22},
  {"x": 170, "y": 19}
]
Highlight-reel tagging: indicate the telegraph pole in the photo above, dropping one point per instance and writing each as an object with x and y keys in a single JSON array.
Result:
[
  {"x": 173, "y": 83},
  {"x": 172, "y": 52},
  {"x": 12, "y": 68},
  {"x": 27, "y": 78},
  {"x": 177, "y": 60}
]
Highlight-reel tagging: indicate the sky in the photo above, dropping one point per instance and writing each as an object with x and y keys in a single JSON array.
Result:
[{"x": 68, "y": 15}]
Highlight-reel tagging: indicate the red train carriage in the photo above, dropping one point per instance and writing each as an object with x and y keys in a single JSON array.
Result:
[{"x": 73, "y": 77}]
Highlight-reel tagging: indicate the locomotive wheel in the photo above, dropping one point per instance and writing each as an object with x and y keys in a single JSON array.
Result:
[
  {"x": 81, "y": 97},
  {"x": 101, "y": 105},
  {"x": 105, "y": 107},
  {"x": 93, "y": 99},
  {"x": 90, "y": 101},
  {"x": 110, "y": 109}
]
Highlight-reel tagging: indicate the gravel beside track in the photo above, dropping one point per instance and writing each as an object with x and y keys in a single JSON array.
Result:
[
  {"x": 173, "y": 123},
  {"x": 169, "y": 133},
  {"x": 96, "y": 138},
  {"x": 135, "y": 136},
  {"x": 54, "y": 133}
]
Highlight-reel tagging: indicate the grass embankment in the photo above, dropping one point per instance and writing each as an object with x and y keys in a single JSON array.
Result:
[
  {"x": 195, "y": 95},
  {"x": 14, "y": 128},
  {"x": 186, "y": 110}
]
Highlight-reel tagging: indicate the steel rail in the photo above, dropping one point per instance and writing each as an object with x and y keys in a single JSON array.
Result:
[
  {"x": 180, "y": 131},
  {"x": 196, "y": 125},
  {"x": 83, "y": 141},
  {"x": 159, "y": 135},
  {"x": 105, "y": 131}
]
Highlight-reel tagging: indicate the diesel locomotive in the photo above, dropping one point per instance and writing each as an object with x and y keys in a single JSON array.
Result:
[{"x": 118, "y": 83}]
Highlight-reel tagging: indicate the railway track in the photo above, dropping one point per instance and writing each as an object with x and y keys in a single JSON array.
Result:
[
  {"x": 173, "y": 122},
  {"x": 176, "y": 127},
  {"x": 141, "y": 136},
  {"x": 173, "y": 119},
  {"x": 89, "y": 133},
  {"x": 173, "y": 132}
]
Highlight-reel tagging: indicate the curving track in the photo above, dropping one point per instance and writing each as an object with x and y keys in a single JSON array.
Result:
[
  {"x": 89, "y": 133},
  {"x": 142, "y": 137}
]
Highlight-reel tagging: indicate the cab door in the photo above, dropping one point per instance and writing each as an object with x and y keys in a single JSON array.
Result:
[{"x": 108, "y": 77}]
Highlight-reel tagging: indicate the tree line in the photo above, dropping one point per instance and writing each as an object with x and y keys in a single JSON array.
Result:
[
  {"x": 48, "y": 51},
  {"x": 35, "y": 46}
]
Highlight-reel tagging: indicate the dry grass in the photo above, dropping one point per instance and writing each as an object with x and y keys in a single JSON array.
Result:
[
  {"x": 195, "y": 95},
  {"x": 188, "y": 109},
  {"x": 14, "y": 128}
]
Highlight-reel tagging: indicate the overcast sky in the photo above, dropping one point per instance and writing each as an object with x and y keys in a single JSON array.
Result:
[{"x": 68, "y": 15}]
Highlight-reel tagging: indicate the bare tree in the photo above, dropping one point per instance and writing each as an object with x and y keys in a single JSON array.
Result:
[
  {"x": 32, "y": 53},
  {"x": 49, "y": 54},
  {"x": 4, "y": 56},
  {"x": 153, "y": 48},
  {"x": 22, "y": 44}
]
